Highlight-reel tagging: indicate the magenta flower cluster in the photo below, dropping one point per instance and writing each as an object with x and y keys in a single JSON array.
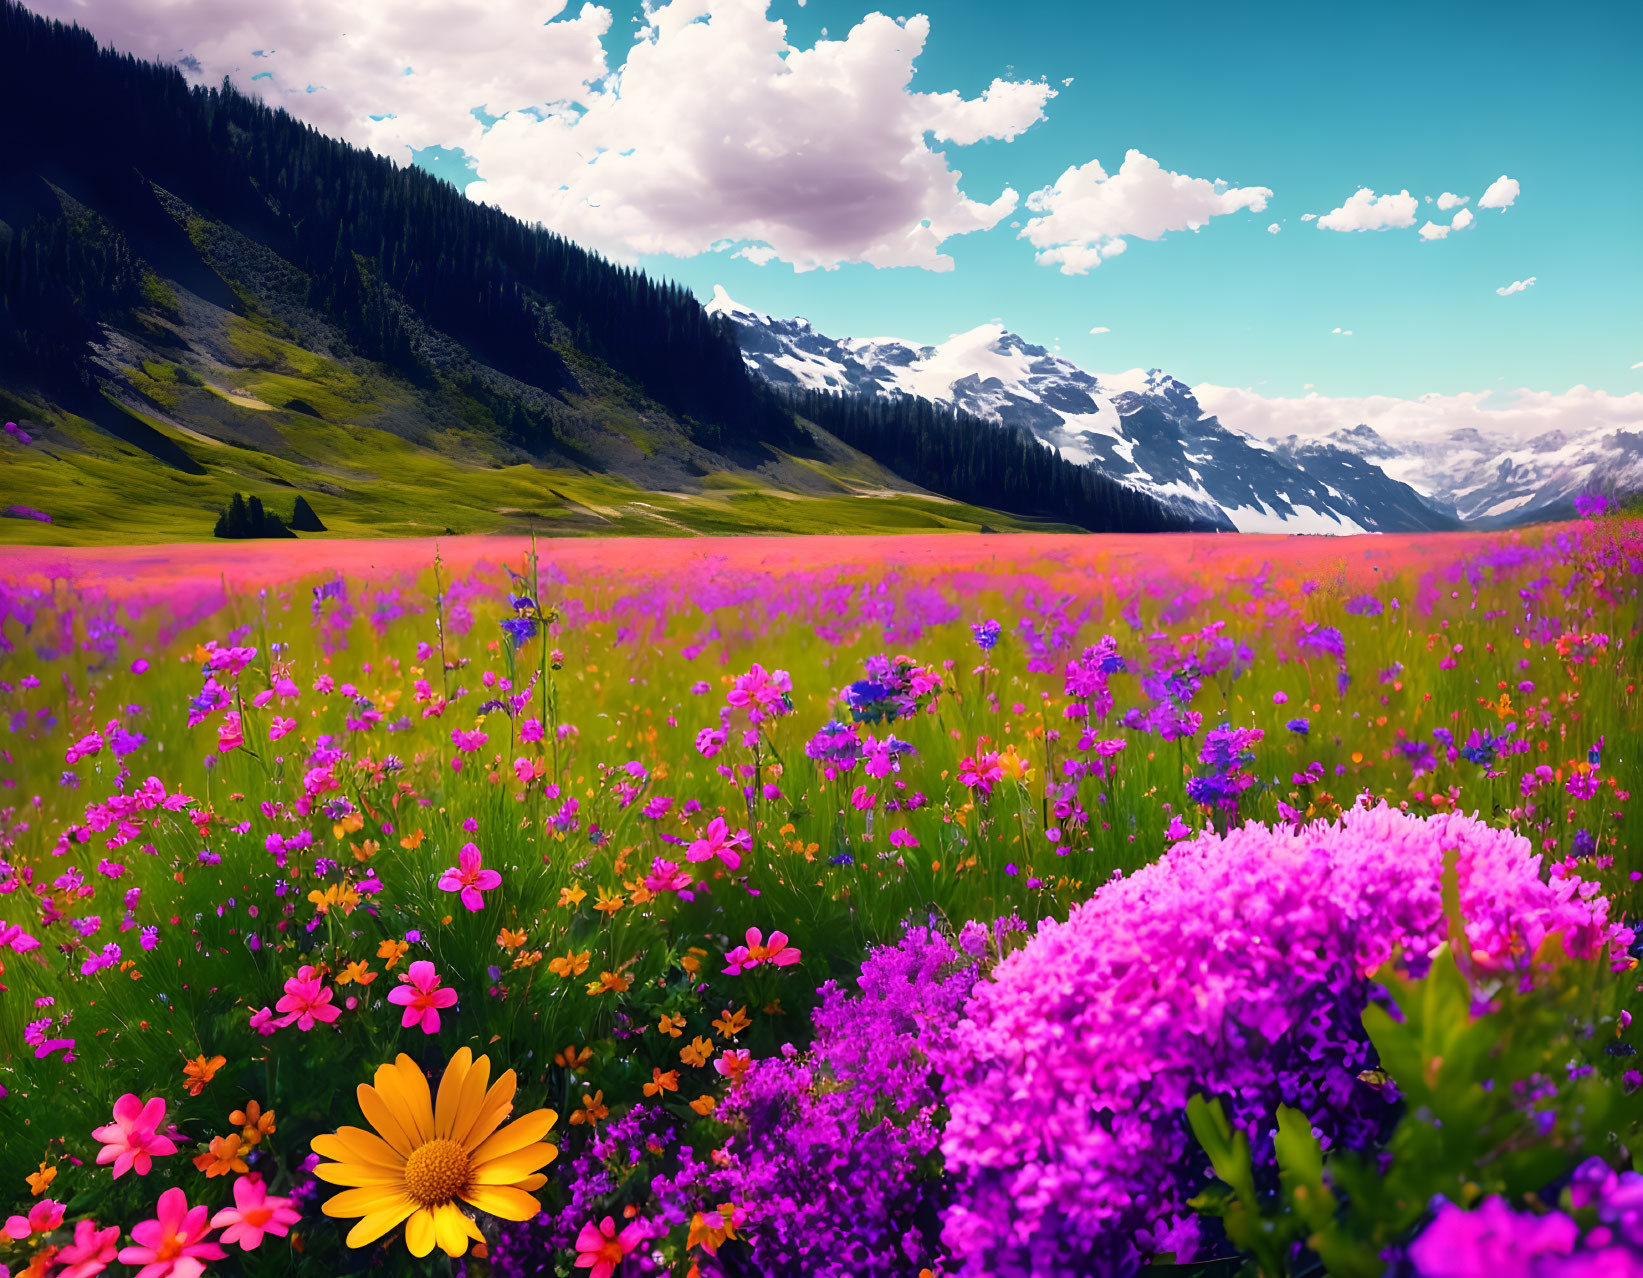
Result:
[{"x": 1237, "y": 966}]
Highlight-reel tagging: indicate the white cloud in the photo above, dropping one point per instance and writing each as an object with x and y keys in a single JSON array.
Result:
[
  {"x": 1502, "y": 192},
  {"x": 1435, "y": 231},
  {"x": 1344, "y": 332},
  {"x": 1366, "y": 211},
  {"x": 1274, "y": 229},
  {"x": 1309, "y": 217},
  {"x": 713, "y": 129},
  {"x": 1108, "y": 330},
  {"x": 1087, "y": 214},
  {"x": 1516, "y": 286},
  {"x": 1637, "y": 365},
  {"x": 1448, "y": 200},
  {"x": 1524, "y": 415}
]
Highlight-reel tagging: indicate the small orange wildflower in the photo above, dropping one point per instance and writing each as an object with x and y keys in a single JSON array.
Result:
[
  {"x": 40, "y": 1181},
  {"x": 573, "y": 1057},
  {"x": 572, "y": 896},
  {"x": 225, "y": 1156},
  {"x": 672, "y": 1026},
  {"x": 609, "y": 981},
  {"x": 358, "y": 971},
  {"x": 509, "y": 939},
  {"x": 254, "y": 1122},
  {"x": 569, "y": 964},
  {"x": 593, "y": 1109},
  {"x": 660, "y": 1082},
  {"x": 391, "y": 952},
  {"x": 704, "y": 1104},
  {"x": 201, "y": 1071},
  {"x": 697, "y": 1052},
  {"x": 731, "y": 1023}
]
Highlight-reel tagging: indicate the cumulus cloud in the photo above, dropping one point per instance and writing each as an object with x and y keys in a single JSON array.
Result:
[
  {"x": 1104, "y": 329},
  {"x": 1523, "y": 415},
  {"x": 1366, "y": 211},
  {"x": 1502, "y": 193},
  {"x": 1344, "y": 332},
  {"x": 1087, "y": 215},
  {"x": 1516, "y": 286},
  {"x": 1436, "y": 231},
  {"x": 1309, "y": 217},
  {"x": 1274, "y": 229},
  {"x": 713, "y": 131},
  {"x": 1448, "y": 200}
]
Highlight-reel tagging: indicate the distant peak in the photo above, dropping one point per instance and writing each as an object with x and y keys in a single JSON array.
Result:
[{"x": 724, "y": 304}]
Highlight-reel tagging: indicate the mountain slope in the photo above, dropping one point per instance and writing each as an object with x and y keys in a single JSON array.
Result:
[
  {"x": 1494, "y": 479},
  {"x": 1151, "y": 435},
  {"x": 198, "y": 291}
]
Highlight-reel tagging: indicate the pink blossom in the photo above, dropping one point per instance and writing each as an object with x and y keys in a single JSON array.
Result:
[
  {"x": 85, "y": 747},
  {"x": 91, "y": 1252},
  {"x": 717, "y": 841},
  {"x": 778, "y": 953},
  {"x": 280, "y": 727},
  {"x": 469, "y": 877},
  {"x": 306, "y": 1000},
  {"x": 599, "y": 1248},
  {"x": 468, "y": 741},
  {"x": 133, "y": 1139},
  {"x": 666, "y": 876},
  {"x": 421, "y": 995},
  {"x": 173, "y": 1244},
  {"x": 43, "y": 1217},
  {"x": 254, "y": 1213},
  {"x": 230, "y": 736}
]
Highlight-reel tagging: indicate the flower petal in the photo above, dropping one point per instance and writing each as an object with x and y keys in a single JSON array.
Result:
[
  {"x": 364, "y": 1201},
  {"x": 504, "y": 1201},
  {"x": 419, "y": 1233},
  {"x": 498, "y": 1104},
  {"x": 357, "y": 1145},
  {"x": 371, "y": 1227},
  {"x": 419, "y": 1100},
  {"x": 472, "y": 1098},
  {"x": 516, "y": 1135},
  {"x": 449, "y": 1103},
  {"x": 510, "y": 1169},
  {"x": 453, "y": 1229},
  {"x": 382, "y": 1118}
]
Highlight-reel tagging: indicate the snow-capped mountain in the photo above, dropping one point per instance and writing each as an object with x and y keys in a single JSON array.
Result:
[
  {"x": 1148, "y": 432},
  {"x": 1492, "y": 478}
]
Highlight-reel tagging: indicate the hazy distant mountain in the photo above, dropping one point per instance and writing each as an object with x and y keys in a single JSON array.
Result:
[
  {"x": 1148, "y": 432},
  {"x": 1495, "y": 479}
]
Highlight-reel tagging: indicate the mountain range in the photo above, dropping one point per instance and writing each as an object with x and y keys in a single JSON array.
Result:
[
  {"x": 202, "y": 296},
  {"x": 1148, "y": 430}
]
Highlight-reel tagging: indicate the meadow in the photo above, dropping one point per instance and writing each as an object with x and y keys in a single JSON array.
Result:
[{"x": 932, "y": 905}]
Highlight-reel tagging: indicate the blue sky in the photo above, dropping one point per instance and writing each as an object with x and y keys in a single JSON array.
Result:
[
  {"x": 731, "y": 141},
  {"x": 1312, "y": 101}
]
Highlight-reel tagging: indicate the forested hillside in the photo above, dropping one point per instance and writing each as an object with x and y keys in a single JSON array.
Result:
[{"x": 157, "y": 237}]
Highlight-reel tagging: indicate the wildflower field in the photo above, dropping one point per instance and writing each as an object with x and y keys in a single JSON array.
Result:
[{"x": 969, "y": 905}]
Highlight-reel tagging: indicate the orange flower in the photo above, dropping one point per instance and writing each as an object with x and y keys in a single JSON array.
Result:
[
  {"x": 704, "y": 1104},
  {"x": 365, "y": 851},
  {"x": 510, "y": 940},
  {"x": 391, "y": 952},
  {"x": 254, "y": 1123},
  {"x": 527, "y": 959},
  {"x": 593, "y": 1109},
  {"x": 660, "y": 1082},
  {"x": 360, "y": 971},
  {"x": 692, "y": 961},
  {"x": 349, "y": 824},
  {"x": 733, "y": 1023},
  {"x": 572, "y": 896},
  {"x": 608, "y": 902},
  {"x": 413, "y": 840},
  {"x": 609, "y": 981},
  {"x": 341, "y": 896},
  {"x": 710, "y": 1232},
  {"x": 573, "y": 1057},
  {"x": 571, "y": 964},
  {"x": 697, "y": 1052},
  {"x": 201, "y": 1071},
  {"x": 672, "y": 1026},
  {"x": 40, "y": 1181},
  {"x": 225, "y": 1157}
]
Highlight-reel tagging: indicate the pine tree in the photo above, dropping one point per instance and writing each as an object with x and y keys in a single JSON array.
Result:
[{"x": 303, "y": 518}]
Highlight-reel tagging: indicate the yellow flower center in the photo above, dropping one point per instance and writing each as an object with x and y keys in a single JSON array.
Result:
[{"x": 436, "y": 1173}]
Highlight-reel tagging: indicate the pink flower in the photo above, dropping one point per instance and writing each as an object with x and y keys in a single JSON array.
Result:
[
  {"x": 469, "y": 877},
  {"x": 280, "y": 727},
  {"x": 717, "y": 841},
  {"x": 982, "y": 772},
  {"x": 133, "y": 1139},
  {"x": 173, "y": 1244},
  {"x": 421, "y": 995},
  {"x": 43, "y": 1217},
  {"x": 262, "y": 1020},
  {"x": 254, "y": 1214},
  {"x": 778, "y": 953},
  {"x": 666, "y": 876},
  {"x": 230, "y": 736},
  {"x": 468, "y": 741},
  {"x": 600, "y": 1248},
  {"x": 902, "y": 839},
  {"x": 306, "y": 1000},
  {"x": 91, "y": 1252}
]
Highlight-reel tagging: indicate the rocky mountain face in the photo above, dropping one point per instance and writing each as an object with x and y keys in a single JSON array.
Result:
[{"x": 1148, "y": 431}]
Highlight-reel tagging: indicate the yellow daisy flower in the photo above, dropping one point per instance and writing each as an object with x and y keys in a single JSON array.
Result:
[{"x": 425, "y": 1154}]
